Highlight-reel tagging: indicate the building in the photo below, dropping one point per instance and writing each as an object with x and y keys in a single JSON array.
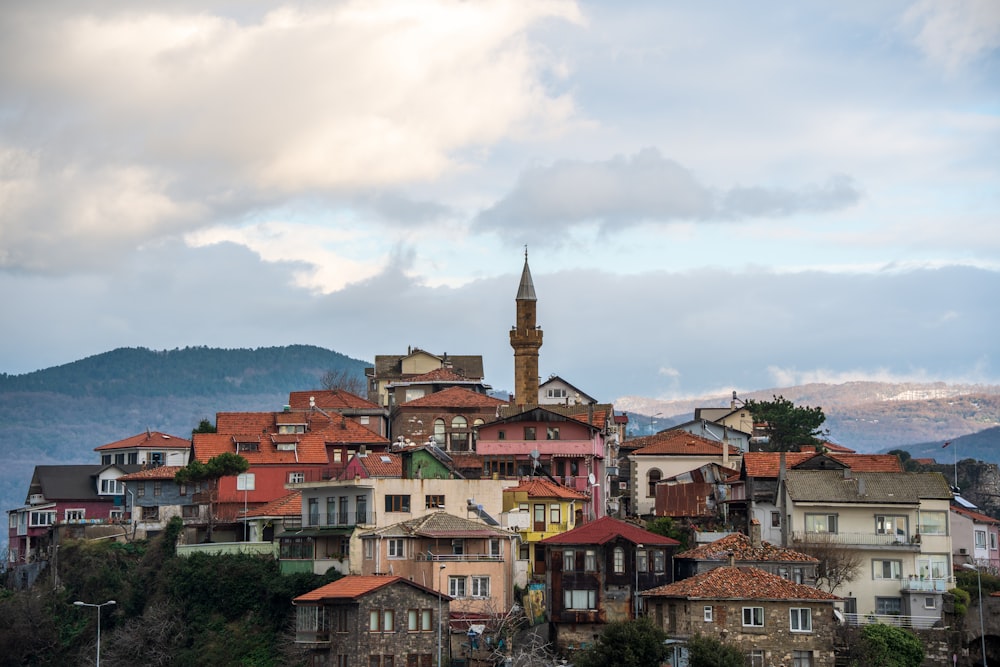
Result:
[
  {"x": 897, "y": 524},
  {"x": 526, "y": 339},
  {"x": 771, "y": 620},
  {"x": 749, "y": 551},
  {"x": 364, "y": 412},
  {"x": 149, "y": 449},
  {"x": 594, "y": 573},
  {"x": 448, "y": 418},
  {"x": 974, "y": 538},
  {"x": 399, "y": 370},
  {"x": 556, "y": 391},
  {"x": 152, "y": 498},
  {"x": 375, "y": 621}
]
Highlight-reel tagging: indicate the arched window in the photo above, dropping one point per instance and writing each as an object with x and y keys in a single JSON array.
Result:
[
  {"x": 439, "y": 432},
  {"x": 653, "y": 476},
  {"x": 459, "y": 434}
]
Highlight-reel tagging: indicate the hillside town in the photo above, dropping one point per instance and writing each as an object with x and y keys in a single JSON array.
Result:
[{"x": 461, "y": 523}]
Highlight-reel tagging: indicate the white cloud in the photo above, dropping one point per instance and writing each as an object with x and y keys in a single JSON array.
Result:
[{"x": 955, "y": 32}]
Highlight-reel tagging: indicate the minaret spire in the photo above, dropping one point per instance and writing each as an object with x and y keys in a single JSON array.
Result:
[{"x": 526, "y": 339}]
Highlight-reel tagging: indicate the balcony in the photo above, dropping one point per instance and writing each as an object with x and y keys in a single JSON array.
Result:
[
  {"x": 341, "y": 520},
  {"x": 460, "y": 558},
  {"x": 897, "y": 620},
  {"x": 878, "y": 540},
  {"x": 917, "y": 584}
]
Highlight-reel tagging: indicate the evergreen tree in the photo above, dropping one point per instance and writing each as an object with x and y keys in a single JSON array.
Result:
[{"x": 788, "y": 425}]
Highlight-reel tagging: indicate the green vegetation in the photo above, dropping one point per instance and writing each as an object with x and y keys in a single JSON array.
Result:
[
  {"x": 705, "y": 651},
  {"x": 788, "y": 425},
  {"x": 217, "y": 610},
  {"x": 887, "y": 646},
  {"x": 626, "y": 644},
  {"x": 962, "y": 600},
  {"x": 226, "y": 464},
  {"x": 667, "y": 527}
]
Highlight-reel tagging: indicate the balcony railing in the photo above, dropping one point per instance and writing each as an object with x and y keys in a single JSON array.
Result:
[
  {"x": 926, "y": 585},
  {"x": 341, "y": 519},
  {"x": 898, "y": 620},
  {"x": 461, "y": 558},
  {"x": 858, "y": 539}
]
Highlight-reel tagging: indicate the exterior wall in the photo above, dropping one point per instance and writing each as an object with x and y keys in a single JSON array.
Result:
[
  {"x": 683, "y": 618},
  {"x": 641, "y": 465},
  {"x": 417, "y": 423},
  {"x": 144, "y": 455},
  {"x": 963, "y": 537},
  {"x": 712, "y": 431}
]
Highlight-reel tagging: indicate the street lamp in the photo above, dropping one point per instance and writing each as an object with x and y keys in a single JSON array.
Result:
[
  {"x": 98, "y": 606},
  {"x": 440, "y": 618},
  {"x": 982, "y": 630},
  {"x": 635, "y": 593}
]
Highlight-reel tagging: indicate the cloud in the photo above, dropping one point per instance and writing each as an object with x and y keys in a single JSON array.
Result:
[
  {"x": 645, "y": 187},
  {"x": 152, "y": 122},
  {"x": 953, "y": 34}
]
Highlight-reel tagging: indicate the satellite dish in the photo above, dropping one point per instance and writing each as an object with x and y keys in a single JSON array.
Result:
[
  {"x": 591, "y": 478},
  {"x": 534, "y": 454}
]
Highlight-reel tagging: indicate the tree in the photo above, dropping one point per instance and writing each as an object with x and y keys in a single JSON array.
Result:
[
  {"x": 344, "y": 380},
  {"x": 705, "y": 651},
  {"x": 626, "y": 644},
  {"x": 226, "y": 464},
  {"x": 204, "y": 426},
  {"x": 837, "y": 565},
  {"x": 666, "y": 526},
  {"x": 788, "y": 425},
  {"x": 886, "y": 646}
]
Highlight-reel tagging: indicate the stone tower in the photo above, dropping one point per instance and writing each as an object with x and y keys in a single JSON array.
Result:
[{"x": 526, "y": 339}]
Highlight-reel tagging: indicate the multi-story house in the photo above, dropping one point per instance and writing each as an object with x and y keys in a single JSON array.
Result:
[
  {"x": 897, "y": 524},
  {"x": 541, "y": 441},
  {"x": 756, "y": 498},
  {"x": 283, "y": 515},
  {"x": 448, "y": 418},
  {"x": 556, "y": 391},
  {"x": 974, "y": 538},
  {"x": 152, "y": 498},
  {"x": 376, "y": 621},
  {"x": 399, "y": 370},
  {"x": 718, "y": 432},
  {"x": 771, "y": 620},
  {"x": 470, "y": 561},
  {"x": 364, "y": 412},
  {"x": 749, "y": 551},
  {"x": 538, "y": 508},
  {"x": 670, "y": 453},
  {"x": 149, "y": 449},
  {"x": 595, "y": 573}
]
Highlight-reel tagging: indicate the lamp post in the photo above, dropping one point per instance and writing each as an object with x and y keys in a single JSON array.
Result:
[
  {"x": 440, "y": 618},
  {"x": 635, "y": 593},
  {"x": 98, "y": 606},
  {"x": 982, "y": 629}
]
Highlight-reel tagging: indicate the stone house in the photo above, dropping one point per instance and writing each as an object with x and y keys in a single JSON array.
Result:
[
  {"x": 749, "y": 551},
  {"x": 447, "y": 418},
  {"x": 391, "y": 379},
  {"x": 769, "y": 619},
  {"x": 375, "y": 621}
]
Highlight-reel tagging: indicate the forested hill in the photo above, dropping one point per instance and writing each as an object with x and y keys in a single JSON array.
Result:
[{"x": 140, "y": 372}]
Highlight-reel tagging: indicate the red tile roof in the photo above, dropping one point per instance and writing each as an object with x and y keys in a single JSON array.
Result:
[
  {"x": 287, "y": 505},
  {"x": 244, "y": 422},
  {"x": 146, "y": 439},
  {"x": 380, "y": 464},
  {"x": 455, "y": 397},
  {"x": 739, "y": 583},
  {"x": 605, "y": 529},
  {"x": 975, "y": 516},
  {"x": 681, "y": 443},
  {"x": 766, "y": 464},
  {"x": 353, "y": 587},
  {"x": 329, "y": 399},
  {"x": 543, "y": 488},
  {"x": 741, "y": 548},
  {"x": 310, "y": 449},
  {"x": 160, "y": 472}
]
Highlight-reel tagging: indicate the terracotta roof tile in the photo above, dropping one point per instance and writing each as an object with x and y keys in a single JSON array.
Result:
[
  {"x": 742, "y": 549},
  {"x": 329, "y": 399},
  {"x": 455, "y": 397},
  {"x": 382, "y": 464},
  {"x": 244, "y": 422},
  {"x": 681, "y": 443},
  {"x": 739, "y": 583},
  {"x": 353, "y": 587},
  {"x": 441, "y": 525},
  {"x": 146, "y": 439},
  {"x": 160, "y": 472},
  {"x": 543, "y": 488},
  {"x": 975, "y": 516},
  {"x": 766, "y": 464},
  {"x": 287, "y": 505},
  {"x": 310, "y": 449},
  {"x": 436, "y": 375},
  {"x": 605, "y": 529}
]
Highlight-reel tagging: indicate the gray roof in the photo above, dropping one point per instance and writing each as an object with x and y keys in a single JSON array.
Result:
[
  {"x": 866, "y": 487},
  {"x": 440, "y": 524},
  {"x": 70, "y": 482},
  {"x": 526, "y": 290},
  {"x": 389, "y": 366}
]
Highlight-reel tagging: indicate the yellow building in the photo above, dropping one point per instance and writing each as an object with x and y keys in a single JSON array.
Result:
[{"x": 537, "y": 509}]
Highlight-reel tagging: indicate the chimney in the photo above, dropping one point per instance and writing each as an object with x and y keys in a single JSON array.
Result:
[
  {"x": 847, "y": 473},
  {"x": 862, "y": 491},
  {"x": 755, "y": 534},
  {"x": 732, "y": 559}
]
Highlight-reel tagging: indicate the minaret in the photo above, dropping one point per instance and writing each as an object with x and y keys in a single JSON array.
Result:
[{"x": 526, "y": 338}]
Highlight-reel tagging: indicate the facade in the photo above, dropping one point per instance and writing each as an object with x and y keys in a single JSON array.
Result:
[
  {"x": 397, "y": 369},
  {"x": 748, "y": 551},
  {"x": 448, "y": 418},
  {"x": 468, "y": 560},
  {"x": 152, "y": 498},
  {"x": 526, "y": 339},
  {"x": 594, "y": 573},
  {"x": 974, "y": 538},
  {"x": 364, "y": 412},
  {"x": 150, "y": 449},
  {"x": 670, "y": 453},
  {"x": 769, "y": 619},
  {"x": 556, "y": 391},
  {"x": 897, "y": 523},
  {"x": 718, "y": 432},
  {"x": 701, "y": 493},
  {"x": 537, "y": 509},
  {"x": 374, "y": 621}
]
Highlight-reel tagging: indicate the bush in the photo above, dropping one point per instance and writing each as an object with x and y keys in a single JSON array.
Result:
[
  {"x": 705, "y": 651},
  {"x": 889, "y": 646},
  {"x": 626, "y": 644},
  {"x": 962, "y": 600}
]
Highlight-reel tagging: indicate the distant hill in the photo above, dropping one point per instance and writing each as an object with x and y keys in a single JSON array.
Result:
[
  {"x": 60, "y": 414},
  {"x": 982, "y": 446},
  {"x": 866, "y": 416}
]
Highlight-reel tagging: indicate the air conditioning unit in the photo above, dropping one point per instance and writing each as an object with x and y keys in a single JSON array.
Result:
[{"x": 963, "y": 551}]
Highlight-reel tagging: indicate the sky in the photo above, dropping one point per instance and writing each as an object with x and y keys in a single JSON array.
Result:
[{"x": 713, "y": 196}]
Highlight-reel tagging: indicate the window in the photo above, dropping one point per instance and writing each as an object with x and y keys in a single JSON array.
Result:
[
  {"x": 151, "y": 513},
  {"x": 933, "y": 567},
  {"x": 753, "y": 617},
  {"x": 552, "y": 433},
  {"x": 652, "y": 477},
  {"x": 458, "y": 547},
  {"x": 112, "y": 487},
  {"x": 105, "y": 459},
  {"x": 706, "y": 614},
  {"x": 821, "y": 523},
  {"x": 313, "y": 511},
  {"x": 619, "y": 560},
  {"x": 524, "y": 551},
  {"x": 569, "y": 560},
  {"x": 388, "y": 620},
  {"x": 502, "y": 466},
  {"x": 886, "y": 524},
  {"x": 116, "y": 515},
  {"x": 887, "y": 569},
  {"x": 120, "y": 459},
  {"x": 140, "y": 489},
  {"x": 495, "y": 547},
  {"x": 755, "y": 658},
  {"x": 253, "y": 446},
  {"x": 501, "y": 435},
  {"x": 980, "y": 539},
  {"x": 590, "y": 560},
  {"x": 892, "y": 606},
  {"x": 369, "y": 548},
  {"x": 133, "y": 458},
  {"x": 157, "y": 488},
  {"x": 373, "y": 620},
  {"x": 929, "y": 602},
  {"x": 993, "y": 541},
  {"x": 42, "y": 518},
  {"x": 802, "y": 659},
  {"x": 75, "y": 515},
  {"x": 659, "y": 562},
  {"x": 182, "y": 489},
  {"x": 641, "y": 561},
  {"x": 480, "y": 587},
  {"x": 800, "y": 619},
  {"x": 579, "y": 599},
  {"x": 341, "y": 660},
  {"x": 933, "y": 523},
  {"x": 396, "y": 503},
  {"x": 556, "y": 393},
  {"x": 395, "y": 548},
  {"x": 296, "y": 477},
  {"x": 456, "y": 587},
  {"x": 190, "y": 511},
  {"x": 775, "y": 519},
  {"x": 529, "y": 432},
  {"x": 434, "y": 502},
  {"x": 296, "y": 548},
  {"x": 419, "y": 620},
  {"x": 554, "y": 514}
]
